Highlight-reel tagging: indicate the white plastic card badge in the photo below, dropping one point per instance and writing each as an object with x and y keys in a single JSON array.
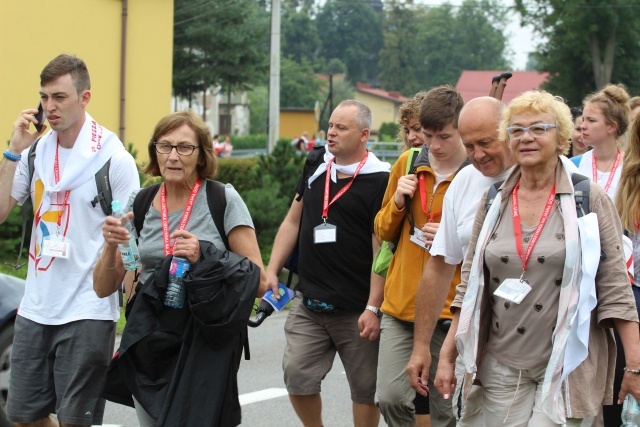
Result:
[
  {"x": 324, "y": 233},
  {"x": 513, "y": 290},
  {"x": 56, "y": 247},
  {"x": 419, "y": 238}
]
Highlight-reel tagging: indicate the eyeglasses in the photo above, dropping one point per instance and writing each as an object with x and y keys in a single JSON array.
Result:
[
  {"x": 536, "y": 131},
  {"x": 183, "y": 150}
]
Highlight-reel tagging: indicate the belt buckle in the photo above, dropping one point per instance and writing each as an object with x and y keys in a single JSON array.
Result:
[{"x": 318, "y": 306}]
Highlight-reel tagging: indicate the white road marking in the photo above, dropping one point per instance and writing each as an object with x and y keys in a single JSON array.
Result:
[
  {"x": 259, "y": 396},
  {"x": 109, "y": 425}
]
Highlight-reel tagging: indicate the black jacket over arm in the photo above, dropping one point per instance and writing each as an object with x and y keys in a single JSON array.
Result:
[{"x": 181, "y": 364}]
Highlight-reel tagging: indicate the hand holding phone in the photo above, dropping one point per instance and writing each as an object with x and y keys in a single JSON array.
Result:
[{"x": 40, "y": 118}]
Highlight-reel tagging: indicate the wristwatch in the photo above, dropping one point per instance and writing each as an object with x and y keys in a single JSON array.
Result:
[{"x": 375, "y": 310}]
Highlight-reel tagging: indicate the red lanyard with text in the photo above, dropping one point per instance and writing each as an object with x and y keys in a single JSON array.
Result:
[
  {"x": 168, "y": 249},
  {"x": 423, "y": 199},
  {"x": 517, "y": 225},
  {"x": 326, "y": 203},
  {"x": 594, "y": 167},
  {"x": 56, "y": 175}
]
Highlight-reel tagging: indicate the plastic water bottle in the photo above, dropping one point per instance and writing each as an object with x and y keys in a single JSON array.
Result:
[
  {"x": 630, "y": 412},
  {"x": 175, "y": 289},
  {"x": 128, "y": 251}
]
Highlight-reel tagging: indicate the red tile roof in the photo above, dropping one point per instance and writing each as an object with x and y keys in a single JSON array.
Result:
[
  {"x": 473, "y": 84},
  {"x": 390, "y": 95}
]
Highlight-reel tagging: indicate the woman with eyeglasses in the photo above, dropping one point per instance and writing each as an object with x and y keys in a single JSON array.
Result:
[
  {"x": 167, "y": 350},
  {"x": 605, "y": 120},
  {"x": 526, "y": 275}
]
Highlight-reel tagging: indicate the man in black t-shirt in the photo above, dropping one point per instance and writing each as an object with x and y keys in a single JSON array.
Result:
[{"x": 337, "y": 306}]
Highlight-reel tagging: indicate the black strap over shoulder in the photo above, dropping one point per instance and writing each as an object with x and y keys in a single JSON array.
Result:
[
  {"x": 216, "y": 199},
  {"x": 581, "y": 186},
  {"x": 27, "y": 206},
  {"x": 141, "y": 205},
  {"x": 103, "y": 184},
  {"x": 314, "y": 159}
]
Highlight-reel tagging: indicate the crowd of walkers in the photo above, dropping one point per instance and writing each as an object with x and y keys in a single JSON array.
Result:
[{"x": 485, "y": 279}]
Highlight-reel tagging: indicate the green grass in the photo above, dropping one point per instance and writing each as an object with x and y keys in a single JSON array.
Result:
[{"x": 6, "y": 269}]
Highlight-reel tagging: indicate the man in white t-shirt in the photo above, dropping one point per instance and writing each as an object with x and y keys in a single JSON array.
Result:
[
  {"x": 64, "y": 333},
  {"x": 491, "y": 163}
]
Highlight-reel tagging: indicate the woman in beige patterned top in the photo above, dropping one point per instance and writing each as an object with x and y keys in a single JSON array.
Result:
[{"x": 525, "y": 277}]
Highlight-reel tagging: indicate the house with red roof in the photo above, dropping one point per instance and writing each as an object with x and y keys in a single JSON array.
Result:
[
  {"x": 384, "y": 104},
  {"x": 473, "y": 84}
]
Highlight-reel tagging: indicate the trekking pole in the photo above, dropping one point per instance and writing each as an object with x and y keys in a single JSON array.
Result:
[{"x": 502, "y": 83}]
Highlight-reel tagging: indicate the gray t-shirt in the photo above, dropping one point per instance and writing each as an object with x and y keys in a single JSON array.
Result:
[{"x": 200, "y": 223}]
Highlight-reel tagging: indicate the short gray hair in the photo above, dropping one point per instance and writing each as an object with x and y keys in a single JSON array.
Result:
[{"x": 364, "y": 118}]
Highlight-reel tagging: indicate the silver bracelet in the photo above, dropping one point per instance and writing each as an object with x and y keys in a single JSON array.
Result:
[{"x": 632, "y": 371}]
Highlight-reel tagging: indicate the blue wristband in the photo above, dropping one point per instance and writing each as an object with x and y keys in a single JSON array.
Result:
[{"x": 13, "y": 157}]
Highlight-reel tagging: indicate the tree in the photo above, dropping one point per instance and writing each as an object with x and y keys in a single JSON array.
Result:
[
  {"x": 351, "y": 32},
  {"x": 426, "y": 47},
  {"x": 300, "y": 38},
  {"x": 221, "y": 42},
  {"x": 589, "y": 44},
  {"x": 299, "y": 86},
  {"x": 470, "y": 39},
  {"x": 400, "y": 58}
]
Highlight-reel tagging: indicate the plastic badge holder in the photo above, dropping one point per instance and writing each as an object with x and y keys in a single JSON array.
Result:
[{"x": 286, "y": 295}]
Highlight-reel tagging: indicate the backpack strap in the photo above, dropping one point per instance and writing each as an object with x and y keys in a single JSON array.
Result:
[
  {"x": 581, "y": 186},
  {"x": 27, "y": 206},
  {"x": 314, "y": 159},
  {"x": 217, "y": 200},
  {"x": 411, "y": 161},
  {"x": 103, "y": 184},
  {"x": 141, "y": 205},
  {"x": 491, "y": 195}
]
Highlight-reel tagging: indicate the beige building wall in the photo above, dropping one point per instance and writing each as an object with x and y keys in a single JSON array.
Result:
[
  {"x": 383, "y": 110},
  {"x": 293, "y": 123},
  {"x": 33, "y": 33}
]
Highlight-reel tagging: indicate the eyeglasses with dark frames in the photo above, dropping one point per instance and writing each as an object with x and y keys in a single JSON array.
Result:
[
  {"x": 536, "y": 131},
  {"x": 181, "y": 149}
]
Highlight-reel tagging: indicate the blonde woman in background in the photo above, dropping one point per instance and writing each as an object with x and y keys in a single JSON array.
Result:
[{"x": 605, "y": 120}]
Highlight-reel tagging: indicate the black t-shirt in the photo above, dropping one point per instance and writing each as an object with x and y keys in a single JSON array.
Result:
[{"x": 340, "y": 272}]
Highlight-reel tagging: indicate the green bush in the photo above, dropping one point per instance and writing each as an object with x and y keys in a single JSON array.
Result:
[
  {"x": 237, "y": 172},
  {"x": 10, "y": 237},
  {"x": 248, "y": 141},
  {"x": 267, "y": 185},
  {"x": 388, "y": 132}
]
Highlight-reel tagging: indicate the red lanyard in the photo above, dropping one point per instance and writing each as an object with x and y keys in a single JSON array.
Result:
[
  {"x": 168, "y": 249},
  {"x": 326, "y": 203},
  {"x": 56, "y": 175},
  {"x": 423, "y": 199},
  {"x": 517, "y": 225},
  {"x": 594, "y": 167}
]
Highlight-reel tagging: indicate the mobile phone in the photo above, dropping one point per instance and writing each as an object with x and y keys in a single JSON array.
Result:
[{"x": 40, "y": 117}]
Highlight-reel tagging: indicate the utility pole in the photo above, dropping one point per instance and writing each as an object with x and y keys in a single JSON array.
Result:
[{"x": 274, "y": 77}]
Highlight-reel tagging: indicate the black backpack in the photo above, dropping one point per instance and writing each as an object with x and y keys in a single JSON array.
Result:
[{"x": 104, "y": 197}]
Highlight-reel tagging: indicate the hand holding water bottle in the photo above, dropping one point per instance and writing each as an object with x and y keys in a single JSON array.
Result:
[
  {"x": 187, "y": 245},
  {"x": 630, "y": 412}
]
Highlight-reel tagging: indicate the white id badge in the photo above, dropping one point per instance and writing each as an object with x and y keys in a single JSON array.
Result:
[
  {"x": 513, "y": 290},
  {"x": 418, "y": 238},
  {"x": 56, "y": 247},
  {"x": 324, "y": 233}
]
